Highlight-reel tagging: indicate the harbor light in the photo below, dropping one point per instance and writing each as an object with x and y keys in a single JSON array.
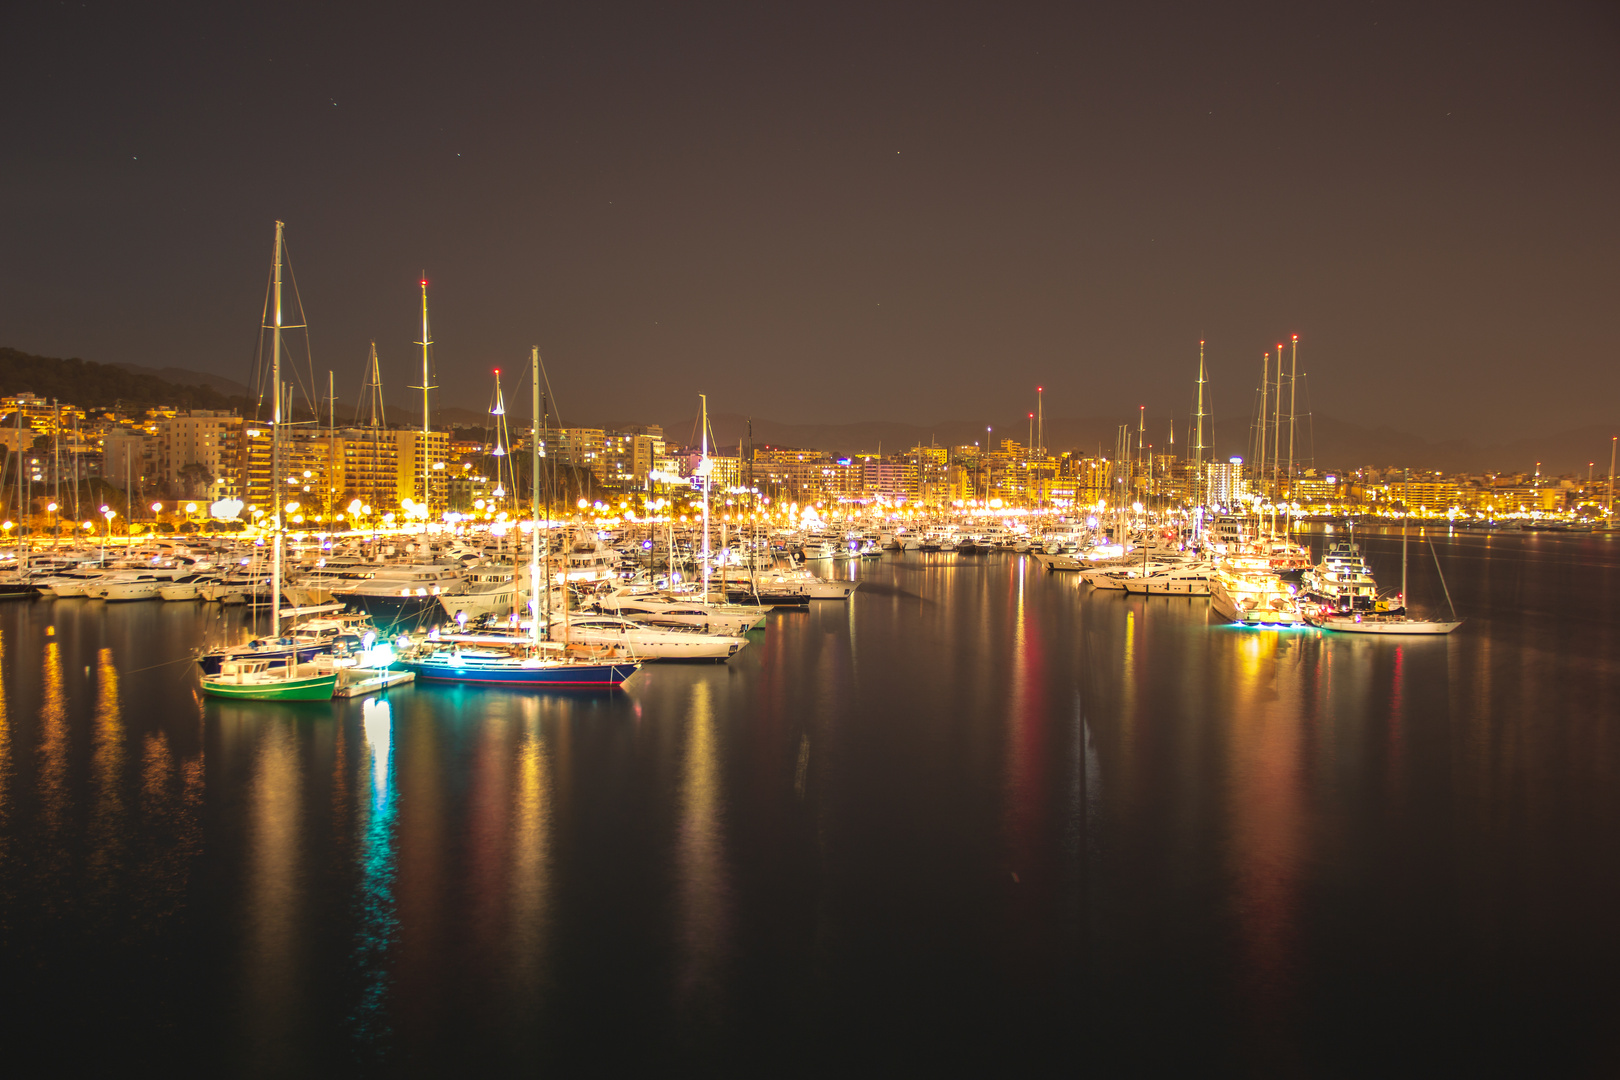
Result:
[
  {"x": 50, "y": 508},
  {"x": 157, "y": 507}
]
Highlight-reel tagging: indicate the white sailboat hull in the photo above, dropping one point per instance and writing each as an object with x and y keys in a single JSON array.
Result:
[{"x": 1387, "y": 625}]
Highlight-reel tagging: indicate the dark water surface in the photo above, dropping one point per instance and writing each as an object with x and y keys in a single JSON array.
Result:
[{"x": 977, "y": 816}]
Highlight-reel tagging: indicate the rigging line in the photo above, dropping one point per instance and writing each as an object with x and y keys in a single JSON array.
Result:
[
  {"x": 256, "y": 377},
  {"x": 1311, "y": 417},
  {"x": 302, "y": 324},
  {"x": 153, "y": 667},
  {"x": 545, "y": 377}
]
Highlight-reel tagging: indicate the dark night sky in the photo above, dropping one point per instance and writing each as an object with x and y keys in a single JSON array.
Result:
[{"x": 822, "y": 213}]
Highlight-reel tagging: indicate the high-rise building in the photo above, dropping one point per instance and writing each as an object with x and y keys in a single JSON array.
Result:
[
  {"x": 1227, "y": 483},
  {"x": 422, "y": 456},
  {"x": 198, "y": 453}
]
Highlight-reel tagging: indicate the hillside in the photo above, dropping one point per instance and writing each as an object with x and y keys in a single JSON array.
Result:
[{"x": 92, "y": 385}]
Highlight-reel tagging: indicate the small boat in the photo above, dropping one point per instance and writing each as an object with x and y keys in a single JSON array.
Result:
[
  {"x": 15, "y": 585},
  {"x": 258, "y": 679},
  {"x": 325, "y": 629}
]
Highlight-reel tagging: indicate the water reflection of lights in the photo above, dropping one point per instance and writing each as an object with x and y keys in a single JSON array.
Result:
[
  {"x": 5, "y": 741},
  {"x": 701, "y": 855},
  {"x": 274, "y": 895},
  {"x": 531, "y": 855},
  {"x": 378, "y": 721},
  {"x": 107, "y": 767},
  {"x": 379, "y": 921},
  {"x": 53, "y": 743}
]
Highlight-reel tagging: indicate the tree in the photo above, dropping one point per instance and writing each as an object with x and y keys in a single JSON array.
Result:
[{"x": 195, "y": 480}]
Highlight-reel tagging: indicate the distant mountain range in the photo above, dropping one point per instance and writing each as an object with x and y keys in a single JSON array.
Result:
[
  {"x": 187, "y": 377},
  {"x": 91, "y": 385}
]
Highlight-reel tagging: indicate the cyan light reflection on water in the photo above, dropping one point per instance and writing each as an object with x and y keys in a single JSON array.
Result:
[{"x": 378, "y": 929}]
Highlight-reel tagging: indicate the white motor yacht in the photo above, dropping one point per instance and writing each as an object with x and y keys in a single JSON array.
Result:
[
  {"x": 1254, "y": 598},
  {"x": 647, "y": 642},
  {"x": 131, "y": 584},
  {"x": 71, "y": 584},
  {"x": 1191, "y": 580},
  {"x": 655, "y": 609}
]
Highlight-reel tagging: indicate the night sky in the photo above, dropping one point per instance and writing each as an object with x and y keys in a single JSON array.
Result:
[{"x": 824, "y": 213}]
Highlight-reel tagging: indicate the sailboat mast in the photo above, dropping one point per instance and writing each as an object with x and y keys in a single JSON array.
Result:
[
  {"x": 1406, "y": 515},
  {"x": 275, "y": 441},
  {"x": 1198, "y": 451},
  {"x": 1614, "y": 440},
  {"x": 331, "y": 443},
  {"x": 1265, "y": 386},
  {"x": 1276, "y": 435},
  {"x": 1293, "y": 383},
  {"x": 707, "y": 469},
  {"x": 534, "y": 501},
  {"x": 427, "y": 385},
  {"x": 1040, "y": 421}
]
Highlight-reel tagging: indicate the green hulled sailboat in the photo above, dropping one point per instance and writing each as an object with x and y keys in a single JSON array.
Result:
[{"x": 259, "y": 679}]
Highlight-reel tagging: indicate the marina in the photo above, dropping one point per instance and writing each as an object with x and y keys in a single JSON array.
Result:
[{"x": 748, "y": 540}]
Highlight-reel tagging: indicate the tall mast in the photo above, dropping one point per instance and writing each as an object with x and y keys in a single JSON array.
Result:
[
  {"x": 1276, "y": 434},
  {"x": 275, "y": 441},
  {"x": 1141, "y": 435},
  {"x": 1265, "y": 386},
  {"x": 706, "y": 469},
  {"x": 1293, "y": 382},
  {"x": 534, "y": 502},
  {"x": 1040, "y": 420},
  {"x": 427, "y": 385},
  {"x": 56, "y": 467},
  {"x": 378, "y": 419},
  {"x": 1198, "y": 449},
  {"x": 1614, "y": 440},
  {"x": 331, "y": 444},
  {"x": 1406, "y": 514}
]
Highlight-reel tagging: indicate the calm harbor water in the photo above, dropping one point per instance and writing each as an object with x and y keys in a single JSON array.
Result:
[{"x": 978, "y": 815}]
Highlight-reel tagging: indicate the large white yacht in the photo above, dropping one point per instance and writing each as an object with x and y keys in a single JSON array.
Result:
[{"x": 646, "y": 642}]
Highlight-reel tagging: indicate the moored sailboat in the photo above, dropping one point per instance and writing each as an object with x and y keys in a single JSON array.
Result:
[
  {"x": 521, "y": 663},
  {"x": 255, "y": 677},
  {"x": 1391, "y": 622}
]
